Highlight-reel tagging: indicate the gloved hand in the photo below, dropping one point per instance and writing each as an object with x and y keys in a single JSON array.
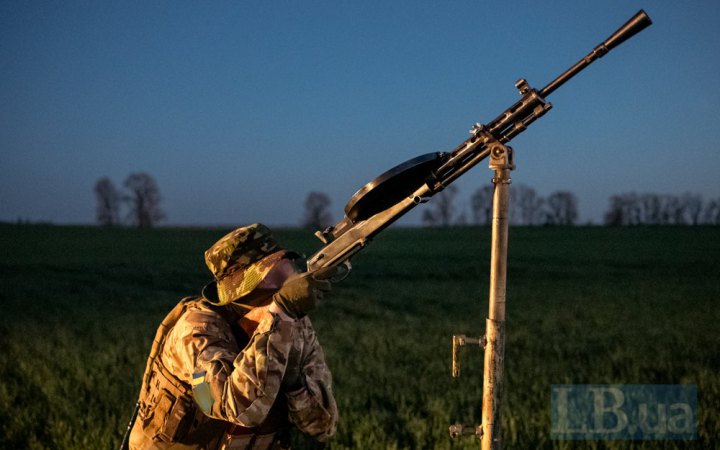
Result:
[{"x": 300, "y": 294}]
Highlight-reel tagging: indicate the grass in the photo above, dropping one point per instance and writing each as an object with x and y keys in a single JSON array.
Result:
[{"x": 79, "y": 307}]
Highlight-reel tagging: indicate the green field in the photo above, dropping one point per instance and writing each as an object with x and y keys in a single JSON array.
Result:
[{"x": 79, "y": 307}]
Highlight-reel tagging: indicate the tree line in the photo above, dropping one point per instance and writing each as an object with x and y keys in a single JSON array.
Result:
[
  {"x": 631, "y": 208},
  {"x": 139, "y": 201},
  {"x": 526, "y": 207},
  {"x": 529, "y": 208}
]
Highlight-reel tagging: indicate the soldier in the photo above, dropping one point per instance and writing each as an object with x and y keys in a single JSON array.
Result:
[{"x": 239, "y": 366}]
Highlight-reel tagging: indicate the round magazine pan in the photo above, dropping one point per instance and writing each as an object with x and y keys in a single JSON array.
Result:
[{"x": 391, "y": 187}]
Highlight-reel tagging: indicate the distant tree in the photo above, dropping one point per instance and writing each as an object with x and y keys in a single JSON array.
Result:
[
  {"x": 108, "y": 202},
  {"x": 441, "y": 208},
  {"x": 428, "y": 218},
  {"x": 632, "y": 208},
  {"x": 668, "y": 205},
  {"x": 614, "y": 214},
  {"x": 317, "y": 216},
  {"x": 562, "y": 208},
  {"x": 650, "y": 206},
  {"x": 481, "y": 205},
  {"x": 462, "y": 219},
  {"x": 711, "y": 212},
  {"x": 526, "y": 206},
  {"x": 143, "y": 198},
  {"x": 624, "y": 209},
  {"x": 672, "y": 211},
  {"x": 658, "y": 209},
  {"x": 692, "y": 207}
]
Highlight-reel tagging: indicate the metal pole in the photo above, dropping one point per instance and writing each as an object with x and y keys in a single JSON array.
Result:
[{"x": 502, "y": 163}]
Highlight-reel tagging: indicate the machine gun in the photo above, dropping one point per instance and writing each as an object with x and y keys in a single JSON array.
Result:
[{"x": 391, "y": 195}]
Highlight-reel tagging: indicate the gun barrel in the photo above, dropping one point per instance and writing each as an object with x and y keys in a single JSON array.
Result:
[{"x": 637, "y": 23}]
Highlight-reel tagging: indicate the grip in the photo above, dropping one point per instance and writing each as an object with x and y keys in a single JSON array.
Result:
[{"x": 334, "y": 274}]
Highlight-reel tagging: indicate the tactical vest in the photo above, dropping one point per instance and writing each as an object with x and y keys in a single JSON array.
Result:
[{"x": 168, "y": 413}]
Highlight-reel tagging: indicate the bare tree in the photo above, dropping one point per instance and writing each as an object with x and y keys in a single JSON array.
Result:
[
  {"x": 650, "y": 206},
  {"x": 562, "y": 208},
  {"x": 632, "y": 208},
  {"x": 625, "y": 209},
  {"x": 614, "y": 214},
  {"x": 481, "y": 205},
  {"x": 671, "y": 210},
  {"x": 108, "y": 202},
  {"x": 692, "y": 207},
  {"x": 711, "y": 214},
  {"x": 526, "y": 206},
  {"x": 462, "y": 219},
  {"x": 143, "y": 197},
  {"x": 317, "y": 216},
  {"x": 659, "y": 209},
  {"x": 441, "y": 209}
]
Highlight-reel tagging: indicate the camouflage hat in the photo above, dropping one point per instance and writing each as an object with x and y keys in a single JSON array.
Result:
[{"x": 240, "y": 260}]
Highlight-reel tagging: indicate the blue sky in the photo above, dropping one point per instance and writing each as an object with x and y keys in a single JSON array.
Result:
[{"x": 239, "y": 109}]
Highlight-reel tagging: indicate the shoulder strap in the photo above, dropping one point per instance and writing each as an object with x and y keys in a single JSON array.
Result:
[{"x": 163, "y": 330}]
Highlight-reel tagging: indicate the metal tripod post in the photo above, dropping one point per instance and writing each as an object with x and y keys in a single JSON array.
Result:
[{"x": 501, "y": 161}]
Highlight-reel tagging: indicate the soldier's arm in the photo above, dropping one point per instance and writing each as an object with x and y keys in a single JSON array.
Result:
[
  {"x": 312, "y": 407},
  {"x": 236, "y": 386}
]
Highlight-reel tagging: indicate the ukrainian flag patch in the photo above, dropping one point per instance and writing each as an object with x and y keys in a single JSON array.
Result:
[
  {"x": 202, "y": 392},
  {"x": 198, "y": 378}
]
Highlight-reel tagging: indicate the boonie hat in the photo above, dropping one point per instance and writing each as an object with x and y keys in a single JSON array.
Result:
[{"x": 239, "y": 262}]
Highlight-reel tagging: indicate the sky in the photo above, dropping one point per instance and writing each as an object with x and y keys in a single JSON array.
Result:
[{"x": 240, "y": 109}]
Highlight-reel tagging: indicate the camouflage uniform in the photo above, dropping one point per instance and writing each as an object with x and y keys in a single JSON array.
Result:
[{"x": 208, "y": 385}]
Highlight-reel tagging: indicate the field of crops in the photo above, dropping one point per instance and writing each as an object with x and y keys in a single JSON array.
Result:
[{"x": 79, "y": 307}]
